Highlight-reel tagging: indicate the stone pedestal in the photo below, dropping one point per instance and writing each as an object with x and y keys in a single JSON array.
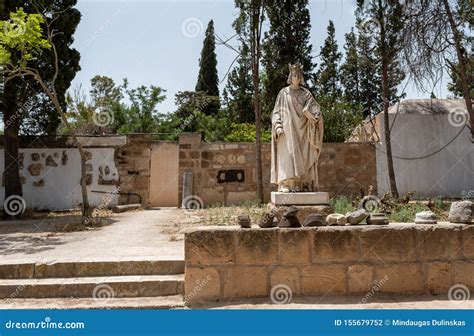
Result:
[
  {"x": 303, "y": 210},
  {"x": 300, "y": 198}
]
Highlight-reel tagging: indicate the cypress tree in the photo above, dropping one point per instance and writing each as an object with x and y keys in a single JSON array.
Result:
[
  {"x": 350, "y": 71},
  {"x": 208, "y": 80},
  {"x": 328, "y": 84},
  {"x": 287, "y": 41}
]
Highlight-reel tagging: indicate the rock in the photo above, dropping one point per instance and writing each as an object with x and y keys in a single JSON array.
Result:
[
  {"x": 35, "y": 157},
  {"x": 267, "y": 220},
  {"x": 377, "y": 219},
  {"x": 336, "y": 219},
  {"x": 461, "y": 212},
  {"x": 64, "y": 158},
  {"x": 35, "y": 169},
  {"x": 244, "y": 221},
  {"x": 355, "y": 217},
  {"x": 289, "y": 218},
  {"x": 314, "y": 220},
  {"x": 50, "y": 161},
  {"x": 425, "y": 217},
  {"x": 39, "y": 183}
]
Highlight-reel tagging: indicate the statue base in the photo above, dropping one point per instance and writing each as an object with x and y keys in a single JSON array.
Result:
[
  {"x": 303, "y": 211},
  {"x": 300, "y": 198}
]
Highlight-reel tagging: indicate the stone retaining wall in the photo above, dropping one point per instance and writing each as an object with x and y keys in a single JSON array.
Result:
[
  {"x": 345, "y": 169},
  {"x": 232, "y": 263}
]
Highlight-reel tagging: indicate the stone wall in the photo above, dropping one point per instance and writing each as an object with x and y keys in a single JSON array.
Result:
[
  {"x": 232, "y": 263},
  {"x": 345, "y": 169}
]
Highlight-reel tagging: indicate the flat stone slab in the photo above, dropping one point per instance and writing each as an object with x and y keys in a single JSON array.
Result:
[{"x": 300, "y": 198}]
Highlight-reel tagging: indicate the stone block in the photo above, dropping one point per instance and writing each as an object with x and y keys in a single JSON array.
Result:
[
  {"x": 202, "y": 284},
  {"x": 295, "y": 246},
  {"x": 300, "y": 198},
  {"x": 245, "y": 281},
  {"x": 316, "y": 280},
  {"x": 387, "y": 244},
  {"x": 400, "y": 278},
  {"x": 360, "y": 278},
  {"x": 464, "y": 273},
  {"x": 467, "y": 237},
  {"x": 209, "y": 247},
  {"x": 257, "y": 247},
  {"x": 289, "y": 276},
  {"x": 438, "y": 242},
  {"x": 438, "y": 277},
  {"x": 335, "y": 245},
  {"x": 15, "y": 271}
]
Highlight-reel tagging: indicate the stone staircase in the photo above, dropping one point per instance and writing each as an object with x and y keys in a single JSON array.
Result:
[{"x": 93, "y": 284}]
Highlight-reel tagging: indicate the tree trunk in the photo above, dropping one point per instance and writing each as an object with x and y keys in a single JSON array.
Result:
[
  {"x": 11, "y": 173},
  {"x": 386, "y": 124},
  {"x": 86, "y": 209},
  {"x": 462, "y": 60},
  {"x": 385, "y": 93}
]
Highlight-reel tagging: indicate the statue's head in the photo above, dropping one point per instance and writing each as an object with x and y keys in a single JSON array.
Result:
[{"x": 295, "y": 76}]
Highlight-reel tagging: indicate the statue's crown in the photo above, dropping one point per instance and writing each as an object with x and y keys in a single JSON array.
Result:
[{"x": 295, "y": 67}]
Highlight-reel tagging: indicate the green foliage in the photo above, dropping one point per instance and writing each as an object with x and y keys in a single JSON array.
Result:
[
  {"x": 245, "y": 132},
  {"x": 208, "y": 80},
  {"x": 406, "y": 212},
  {"x": 190, "y": 103},
  {"x": 328, "y": 83},
  {"x": 350, "y": 71},
  {"x": 341, "y": 204},
  {"x": 339, "y": 119},
  {"x": 213, "y": 128},
  {"x": 22, "y": 34},
  {"x": 286, "y": 41}
]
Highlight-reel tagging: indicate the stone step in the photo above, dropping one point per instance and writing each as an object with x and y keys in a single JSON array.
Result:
[
  {"x": 90, "y": 268},
  {"x": 156, "y": 302},
  {"x": 93, "y": 287}
]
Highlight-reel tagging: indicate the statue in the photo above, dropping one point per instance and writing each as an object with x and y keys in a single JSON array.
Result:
[{"x": 297, "y": 136}]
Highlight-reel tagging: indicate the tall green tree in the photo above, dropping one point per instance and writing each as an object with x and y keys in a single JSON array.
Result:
[
  {"x": 328, "y": 80},
  {"x": 239, "y": 89},
  {"x": 370, "y": 83},
  {"x": 384, "y": 21},
  {"x": 350, "y": 72},
  {"x": 208, "y": 80},
  {"x": 24, "y": 104},
  {"x": 286, "y": 41}
]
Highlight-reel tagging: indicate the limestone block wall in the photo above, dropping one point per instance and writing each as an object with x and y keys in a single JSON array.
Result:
[
  {"x": 232, "y": 263},
  {"x": 344, "y": 169}
]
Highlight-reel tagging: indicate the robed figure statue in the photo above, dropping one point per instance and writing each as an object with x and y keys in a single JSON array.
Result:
[{"x": 297, "y": 136}]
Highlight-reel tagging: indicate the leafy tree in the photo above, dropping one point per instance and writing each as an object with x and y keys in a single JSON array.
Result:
[
  {"x": 245, "y": 132},
  {"x": 104, "y": 92},
  {"x": 370, "y": 84},
  {"x": 286, "y": 41},
  {"x": 24, "y": 105},
  {"x": 208, "y": 80},
  {"x": 190, "y": 103},
  {"x": 22, "y": 35},
  {"x": 328, "y": 83},
  {"x": 340, "y": 119},
  {"x": 239, "y": 88},
  {"x": 350, "y": 72},
  {"x": 140, "y": 116}
]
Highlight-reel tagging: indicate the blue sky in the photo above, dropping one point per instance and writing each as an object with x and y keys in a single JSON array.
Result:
[{"x": 159, "y": 42}]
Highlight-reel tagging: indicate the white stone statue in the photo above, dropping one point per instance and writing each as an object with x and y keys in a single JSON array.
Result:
[{"x": 297, "y": 136}]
